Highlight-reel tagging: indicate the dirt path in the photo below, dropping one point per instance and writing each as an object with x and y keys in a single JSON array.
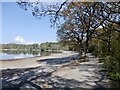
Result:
[{"x": 86, "y": 73}]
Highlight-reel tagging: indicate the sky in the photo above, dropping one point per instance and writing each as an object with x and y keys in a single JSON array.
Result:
[{"x": 19, "y": 26}]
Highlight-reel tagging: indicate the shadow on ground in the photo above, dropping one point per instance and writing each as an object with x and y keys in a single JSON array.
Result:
[
  {"x": 54, "y": 82},
  {"x": 56, "y": 61},
  {"x": 39, "y": 79}
]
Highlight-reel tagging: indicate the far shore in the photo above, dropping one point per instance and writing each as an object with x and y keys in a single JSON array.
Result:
[{"x": 30, "y": 62}]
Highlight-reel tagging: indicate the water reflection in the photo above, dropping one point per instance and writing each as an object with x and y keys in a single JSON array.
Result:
[
  {"x": 15, "y": 54},
  {"x": 33, "y": 52}
]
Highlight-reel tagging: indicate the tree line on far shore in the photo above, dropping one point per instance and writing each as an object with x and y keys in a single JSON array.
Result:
[{"x": 34, "y": 47}]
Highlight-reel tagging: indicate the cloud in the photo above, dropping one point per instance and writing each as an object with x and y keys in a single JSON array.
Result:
[
  {"x": 19, "y": 39},
  {"x": 30, "y": 42}
]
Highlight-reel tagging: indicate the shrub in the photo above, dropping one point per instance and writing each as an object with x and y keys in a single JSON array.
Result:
[{"x": 115, "y": 77}]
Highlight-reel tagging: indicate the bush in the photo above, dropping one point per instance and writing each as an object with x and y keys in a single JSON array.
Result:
[{"x": 115, "y": 77}]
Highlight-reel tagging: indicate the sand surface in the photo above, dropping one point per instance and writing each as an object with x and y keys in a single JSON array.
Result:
[
  {"x": 30, "y": 62},
  {"x": 73, "y": 74},
  {"x": 86, "y": 73}
]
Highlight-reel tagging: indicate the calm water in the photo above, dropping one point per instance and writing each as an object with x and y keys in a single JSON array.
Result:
[
  {"x": 5, "y": 56},
  {"x": 16, "y": 55}
]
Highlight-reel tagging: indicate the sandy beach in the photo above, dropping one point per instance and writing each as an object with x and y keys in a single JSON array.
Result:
[
  {"x": 73, "y": 74},
  {"x": 30, "y": 62}
]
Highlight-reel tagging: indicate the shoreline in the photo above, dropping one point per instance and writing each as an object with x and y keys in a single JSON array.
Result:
[
  {"x": 30, "y": 62},
  {"x": 74, "y": 74},
  {"x": 19, "y": 58}
]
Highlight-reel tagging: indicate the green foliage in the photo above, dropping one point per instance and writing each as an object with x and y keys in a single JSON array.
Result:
[
  {"x": 34, "y": 49},
  {"x": 107, "y": 48},
  {"x": 53, "y": 46},
  {"x": 115, "y": 77},
  {"x": 93, "y": 49},
  {"x": 20, "y": 46}
]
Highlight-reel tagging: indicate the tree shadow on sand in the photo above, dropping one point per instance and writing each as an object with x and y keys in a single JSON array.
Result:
[
  {"x": 8, "y": 83},
  {"x": 31, "y": 78},
  {"x": 62, "y": 60},
  {"x": 35, "y": 79}
]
